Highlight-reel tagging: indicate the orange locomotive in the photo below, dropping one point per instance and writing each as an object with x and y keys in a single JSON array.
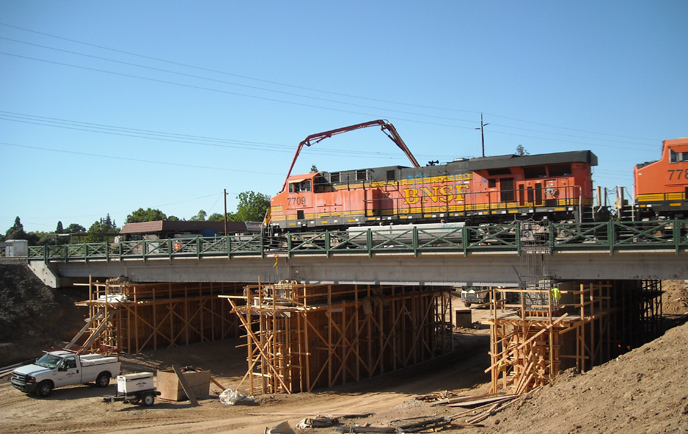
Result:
[
  {"x": 557, "y": 186},
  {"x": 661, "y": 187}
]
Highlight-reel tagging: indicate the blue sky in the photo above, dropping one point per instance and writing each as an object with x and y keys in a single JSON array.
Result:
[{"x": 106, "y": 107}]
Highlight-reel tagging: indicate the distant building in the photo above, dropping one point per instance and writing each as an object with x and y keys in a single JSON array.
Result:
[{"x": 164, "y": 229}]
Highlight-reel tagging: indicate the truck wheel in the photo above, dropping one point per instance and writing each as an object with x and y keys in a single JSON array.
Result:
[
  {"x": 44, "y": 388},
  {"x": 103, "y": 379},
  {"x": 148, "y": 399}
]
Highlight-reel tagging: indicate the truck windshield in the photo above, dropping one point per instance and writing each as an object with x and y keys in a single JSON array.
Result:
[{"x": 48, "y": 361}]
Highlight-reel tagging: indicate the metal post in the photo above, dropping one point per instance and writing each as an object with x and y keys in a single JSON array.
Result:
[{"x": 225, "y": 197}]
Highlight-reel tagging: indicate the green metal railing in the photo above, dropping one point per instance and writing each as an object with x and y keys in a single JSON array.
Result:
[{"x": 612, "y": 237}]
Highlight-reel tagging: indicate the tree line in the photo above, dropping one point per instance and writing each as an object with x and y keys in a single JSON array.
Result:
[{"x": 252, "y": 207}]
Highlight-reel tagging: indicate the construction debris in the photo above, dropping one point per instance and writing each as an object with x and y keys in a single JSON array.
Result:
[
  {"x": 417, "y": 424},
  {"x": 282, "y": 428},
  {"x": 233, "y": 397},
  {"x": 317, "y": 422}
]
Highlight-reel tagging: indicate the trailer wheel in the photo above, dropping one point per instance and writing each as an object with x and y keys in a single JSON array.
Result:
[
  {"x": 148, "y": 399},
  {"x": 44, "y": 388}
]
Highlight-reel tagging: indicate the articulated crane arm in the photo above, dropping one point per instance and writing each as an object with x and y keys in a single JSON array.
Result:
[{"x": 386, "y": 127}]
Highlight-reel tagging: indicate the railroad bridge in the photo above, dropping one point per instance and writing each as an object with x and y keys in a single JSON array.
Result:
[
  {"x": 482, "y": 255},
  {"x": 325, "y": 308}
]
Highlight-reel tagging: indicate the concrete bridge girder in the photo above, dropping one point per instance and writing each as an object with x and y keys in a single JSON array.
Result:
[{"x": 425, "y": 269}]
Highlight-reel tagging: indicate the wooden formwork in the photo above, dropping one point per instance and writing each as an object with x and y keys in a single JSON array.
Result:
[
  {"x": 301, "y": 337},
  {"x": 131, "y": 317},
  {"x": 591, "y": 324}
]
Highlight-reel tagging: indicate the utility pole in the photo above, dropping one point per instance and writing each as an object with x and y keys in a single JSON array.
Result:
[
  {"x": 482, "y": 131},
  {"x": 225, "y": 196}
]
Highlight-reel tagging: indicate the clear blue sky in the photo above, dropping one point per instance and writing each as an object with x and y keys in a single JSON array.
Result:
[{"x": 106, "y": 107}]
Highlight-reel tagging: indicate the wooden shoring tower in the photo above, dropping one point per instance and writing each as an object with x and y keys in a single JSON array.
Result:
[
  {"x": 130, "y": 317},
  {"x": 302, "y": 337},
  {"x": 592, "y": 323}
]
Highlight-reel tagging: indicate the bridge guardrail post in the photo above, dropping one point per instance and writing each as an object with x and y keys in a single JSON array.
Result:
[
  {"x": 677, "y": 235},
  {"x": 107, "y": 252},
  {"x": 262, "y": 245},
  {"x": 169, "y": 249},
  {"x": 86, "y": 253},
  {"x": 414, "y": 241},
  {"x": 611, "y": 238},
  {"x": 228, "y": 241},
  {"x": 550, "y": 241},
  {"x": 327, "y": 243},
  {"x": 144, "y": 249},
  {"x": 369, "y": 242},
  {"x": 464, "y": 240},
  {"x": 517, "y": 233},
  {"x": 199, "y": 246},
  {"x": 289, "y": 245}
]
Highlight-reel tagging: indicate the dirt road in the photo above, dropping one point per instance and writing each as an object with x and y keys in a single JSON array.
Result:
[{"x": 81, "y": 408}]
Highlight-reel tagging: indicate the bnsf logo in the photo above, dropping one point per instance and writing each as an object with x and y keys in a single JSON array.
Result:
[{"x": 440, "y": 193}]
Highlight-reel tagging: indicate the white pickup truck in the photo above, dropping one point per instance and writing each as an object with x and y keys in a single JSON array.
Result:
[{"x": 65, "y": 368}]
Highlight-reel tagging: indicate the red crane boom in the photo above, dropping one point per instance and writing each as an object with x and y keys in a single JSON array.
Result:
[{"x": 385, "y": 126}]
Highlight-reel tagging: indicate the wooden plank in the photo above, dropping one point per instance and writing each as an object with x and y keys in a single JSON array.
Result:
[
  {"x": 83, "y": 330},
  {"x": 218, "y": 384},
  {"x": 483, "y": 401},
  {"x": 185, "y": 385}
]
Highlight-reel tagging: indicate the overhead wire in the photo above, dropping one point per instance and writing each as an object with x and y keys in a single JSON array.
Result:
[{"x": 293, "y": 86}]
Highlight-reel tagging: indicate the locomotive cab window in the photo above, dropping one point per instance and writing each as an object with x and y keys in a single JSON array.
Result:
[
  {"x": 560, "y": 170},
  {"x": 677, "y": 157},
  {"x": 390, "y": 175},
  {"x": 360, "y": 175},
  {"x": 535, "y": 172},
  {"x": 297, "y": 187}
]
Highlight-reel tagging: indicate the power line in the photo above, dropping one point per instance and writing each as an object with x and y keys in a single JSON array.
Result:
[
  {"x": 138, "y": 160},
  {"x": 172, "y": 137},
  {"x": 289, "y": 85},
  {"x": 234, "y": 84}
]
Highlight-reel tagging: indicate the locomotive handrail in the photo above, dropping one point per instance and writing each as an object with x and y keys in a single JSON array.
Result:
[{"x": 612, "y": 236}]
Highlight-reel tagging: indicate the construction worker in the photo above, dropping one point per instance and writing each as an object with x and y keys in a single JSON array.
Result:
[{"x": 556, "y": 295}]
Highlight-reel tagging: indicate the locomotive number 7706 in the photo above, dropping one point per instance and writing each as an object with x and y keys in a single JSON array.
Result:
[{"x": 679, "y": 173}]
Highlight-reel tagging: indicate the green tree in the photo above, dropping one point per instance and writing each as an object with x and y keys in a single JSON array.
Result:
[
  {"x": 145, "y": 215},
  {"x": 103, "y": 229},
  {"x": 16, "y": 232},
  {"x": 74, "y": 228},
  {"x": 200, "y": 217},
  {"x": 59, "y": 229},
  {"x": 217, "y": 217},
  {"x": 252, "y": 207},
  {"x": 521, "y": 151}
]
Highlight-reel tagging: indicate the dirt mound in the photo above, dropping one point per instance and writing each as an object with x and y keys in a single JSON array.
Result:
[
  {"x": 34, "y": 316},
  {"x": 675, "y": 298}
]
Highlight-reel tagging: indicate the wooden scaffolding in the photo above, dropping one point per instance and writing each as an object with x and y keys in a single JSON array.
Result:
[
  {"x": 301, "y": 337},
  {"x": 534, "y": 335},
  {"x": 130, "y": 317}
]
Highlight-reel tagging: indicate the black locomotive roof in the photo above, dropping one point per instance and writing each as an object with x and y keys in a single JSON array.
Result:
[
  {"x": 504, "y": 161},
  {"x": 474, "y": 164}
]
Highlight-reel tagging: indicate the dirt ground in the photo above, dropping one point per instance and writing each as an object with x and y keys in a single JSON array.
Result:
[{"x": 641, "y": 391}]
